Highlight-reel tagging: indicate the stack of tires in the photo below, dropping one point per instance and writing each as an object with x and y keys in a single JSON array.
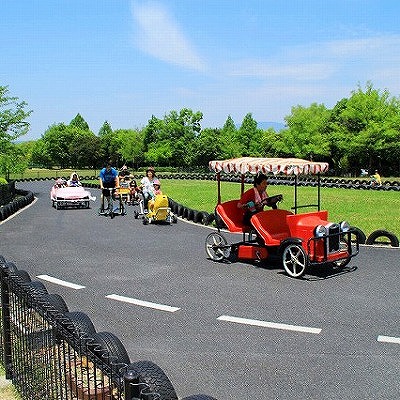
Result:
[{"x": 22, "y": 199}]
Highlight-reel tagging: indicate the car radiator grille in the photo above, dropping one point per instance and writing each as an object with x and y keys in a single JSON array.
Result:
[{"x": 333, "y": 239}]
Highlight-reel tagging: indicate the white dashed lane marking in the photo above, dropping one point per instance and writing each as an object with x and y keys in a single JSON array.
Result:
[
  {"x": 388, "y": 339},
  {"x": 225, "y": 318},
  {"x": 266, "y": 324},
  {"x": 142, "y": 303},
  {"x": 60, "y": 282}
]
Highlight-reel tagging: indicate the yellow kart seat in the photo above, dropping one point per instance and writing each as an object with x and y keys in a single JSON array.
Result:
[
  {"x": 123, "y": 191},
  {"x": 160, "y": 208}
]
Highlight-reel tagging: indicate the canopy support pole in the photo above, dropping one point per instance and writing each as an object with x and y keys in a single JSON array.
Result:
[
  {"x": 295, "y": 194},
  {"x": 219, "y": 187},
  {"x": 242, "y": 185},
  {"x": 319, "y": 190}
]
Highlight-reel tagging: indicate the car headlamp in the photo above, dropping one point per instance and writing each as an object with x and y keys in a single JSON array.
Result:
[
  {"x": 344, "y": 226},
  {"x": 320, "y": 231}
]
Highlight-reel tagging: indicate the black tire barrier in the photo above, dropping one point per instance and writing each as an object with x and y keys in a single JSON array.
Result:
[
  {"x": 219, "y": 222},
  {"x": 190, "y": 214},
  {"x": 153, "y": 376},
  {"x": 360, "y": 235},
  {"x": 21, "y": 275},
  {"x": 198, "y": 217},
  {"x": 179, "y": 210},
  {"x": 209, "y": 219},
  {"x": 199, "y": 397},
  {"x": 185, "y": 212},
  {"x": 106, "y": 341},
  {"x": 56, "y": 301},
  {"x": 374, "y": 236},
  {"x": 37, "y": 288},
  {"x": 11, "y": 266},
  {"x": 80, "y": 323},
  {"x": 202, "y": 217}
]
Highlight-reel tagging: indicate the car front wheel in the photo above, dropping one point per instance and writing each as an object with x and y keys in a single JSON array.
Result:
[
  {"x": 217, "y": 247},
  {"x": 294, "y": 260}
]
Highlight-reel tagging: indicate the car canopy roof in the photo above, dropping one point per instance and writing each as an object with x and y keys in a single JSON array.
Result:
[{"x": 253, "y": 165}]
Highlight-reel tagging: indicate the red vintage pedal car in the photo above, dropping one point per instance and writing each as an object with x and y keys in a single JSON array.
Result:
[{"x": 300, "y": 240}]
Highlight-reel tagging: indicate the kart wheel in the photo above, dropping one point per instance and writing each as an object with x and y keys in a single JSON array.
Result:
[
  {"x": 217, "y": 246},
  {"x": 294, "y": 260},
  {"x": 145, "y": 221}
]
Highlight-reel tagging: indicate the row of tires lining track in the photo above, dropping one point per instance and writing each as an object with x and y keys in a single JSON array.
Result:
[
  {"x": 22, "y": 199},
  {"x": 104, "y": 344},
  {"x": 349, "y": 183}
]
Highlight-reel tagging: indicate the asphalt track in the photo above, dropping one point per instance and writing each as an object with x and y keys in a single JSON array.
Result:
[{"x": 233, "y": 331}]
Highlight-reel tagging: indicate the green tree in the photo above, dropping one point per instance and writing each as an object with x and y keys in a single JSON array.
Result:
[
  {"x": 365, "y": 130},
  {"x": 40, "y": 155},
  {"x": 171, "y": 141},
  {"x": 57, "y": 140},
  {"x": 249, "y": 137},
  {"x": 230, "y": 147},
  {"x": 131, "y": 146},
  {"x": 209, "y": 145},
  {"x": 79, "y": 122},
  {"x": 105, "y": 129},
  {"x": 306, "y": 134},
  {"x": 84, "y": 148},
  {"x": 109, "y": 145},
  {"x": 13, "y": 125}
]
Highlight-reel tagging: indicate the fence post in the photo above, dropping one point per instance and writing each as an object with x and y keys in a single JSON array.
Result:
[
  {"x": 131, "y": 385},
  {"x": 5, "y": 316}
]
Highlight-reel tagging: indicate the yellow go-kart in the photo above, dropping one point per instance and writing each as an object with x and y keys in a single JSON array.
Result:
[{"x": 159, "y": 211}]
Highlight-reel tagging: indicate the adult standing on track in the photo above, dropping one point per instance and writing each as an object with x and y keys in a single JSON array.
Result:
[{"x": 108, "y": 179}]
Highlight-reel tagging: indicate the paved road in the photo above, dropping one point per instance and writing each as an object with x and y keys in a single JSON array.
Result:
[{"x": 232, "y": 331}]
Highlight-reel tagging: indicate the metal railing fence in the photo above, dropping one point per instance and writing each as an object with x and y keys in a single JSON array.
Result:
[{"x": 45, "y": 354}]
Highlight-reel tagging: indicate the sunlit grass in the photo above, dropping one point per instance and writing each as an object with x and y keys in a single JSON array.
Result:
[{"x": 7, "y": 391}]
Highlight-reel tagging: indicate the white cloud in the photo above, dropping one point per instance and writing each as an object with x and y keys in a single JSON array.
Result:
[
  {"x": 159, "y": 35},
  {"x": 327, "y": 60},
  {"x": 300, "y": 70}
]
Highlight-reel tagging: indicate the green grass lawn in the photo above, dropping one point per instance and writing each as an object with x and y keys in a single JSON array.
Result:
[{"x": 369, "y": 210}]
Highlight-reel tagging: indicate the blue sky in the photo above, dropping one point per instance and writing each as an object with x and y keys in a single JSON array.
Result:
[{"x": 126, "y": 60}]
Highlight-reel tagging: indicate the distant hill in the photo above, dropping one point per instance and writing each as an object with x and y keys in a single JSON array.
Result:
[{"x": 267, "y": 124}]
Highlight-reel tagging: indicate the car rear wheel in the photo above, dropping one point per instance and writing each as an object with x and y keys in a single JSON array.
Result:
[
  {"x": 217, "y": 246},
  {"x": 294, "y": 260}
]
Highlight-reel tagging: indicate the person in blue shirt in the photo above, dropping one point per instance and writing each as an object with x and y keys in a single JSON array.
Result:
[{"x": 108, "y": 179}]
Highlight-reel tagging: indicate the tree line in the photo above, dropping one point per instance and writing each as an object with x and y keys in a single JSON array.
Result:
[{"x": 361, "y": 131}]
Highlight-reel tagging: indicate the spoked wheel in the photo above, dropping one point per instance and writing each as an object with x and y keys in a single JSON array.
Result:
[
  {"x": 217, "y": 246},
  {"x": 294, "y": 260}
]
